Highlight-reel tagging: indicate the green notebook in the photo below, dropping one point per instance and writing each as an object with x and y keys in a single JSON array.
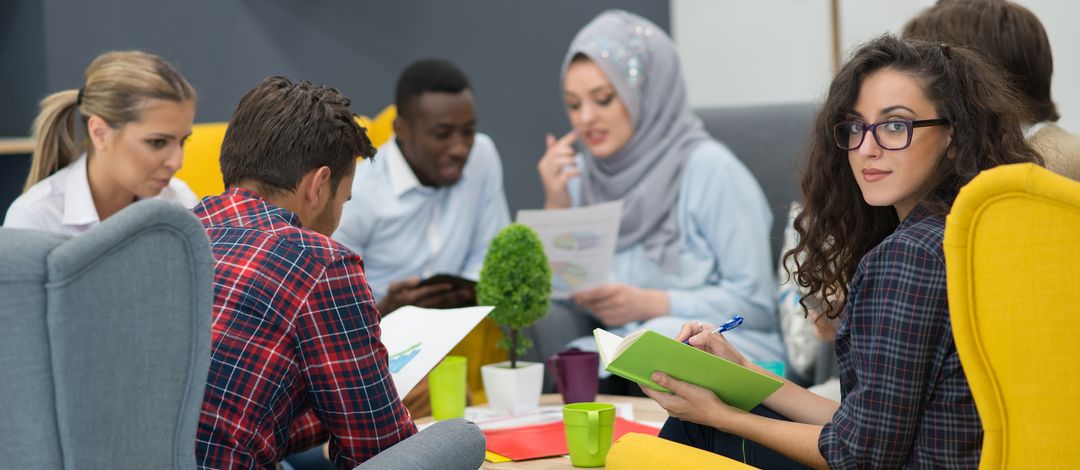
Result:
[{"x": 643, "y": 352}]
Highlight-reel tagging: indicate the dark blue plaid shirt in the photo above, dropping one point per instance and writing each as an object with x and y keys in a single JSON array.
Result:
[{"x": 906, "y": 401}]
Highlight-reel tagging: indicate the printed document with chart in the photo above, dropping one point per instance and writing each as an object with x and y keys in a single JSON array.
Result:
[
  {"x": 580, "y": 244},
  {"x": 416, "y": 339}
]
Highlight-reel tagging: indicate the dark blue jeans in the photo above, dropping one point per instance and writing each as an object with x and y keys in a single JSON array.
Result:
[{"x": 728, "y": 445}]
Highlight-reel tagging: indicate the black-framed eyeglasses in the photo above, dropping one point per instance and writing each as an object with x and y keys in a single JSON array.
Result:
[{"x": 894, "y": 134}]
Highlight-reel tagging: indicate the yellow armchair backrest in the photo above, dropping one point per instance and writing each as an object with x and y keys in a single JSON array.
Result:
[
  {"x": 1012, "y": 252},
  {"x": 201, "y": 170},
  {"x": 635, "y": 451}
]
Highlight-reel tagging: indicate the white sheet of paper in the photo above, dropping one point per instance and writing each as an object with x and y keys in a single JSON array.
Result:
[
  {"x": 486, "y": 419},
  {"x": 417, "y": 339},
  {"x": 580, "y": 244}
]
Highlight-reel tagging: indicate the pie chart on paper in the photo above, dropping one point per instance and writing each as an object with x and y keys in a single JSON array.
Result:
[
  {"x": 567, "y": 276},
  {"x": 576, "y": 241}
]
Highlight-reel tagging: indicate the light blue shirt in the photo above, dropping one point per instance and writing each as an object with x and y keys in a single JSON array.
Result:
[
  {"x": 725, "y": 263},
  {"x": 402, "y": 228}
]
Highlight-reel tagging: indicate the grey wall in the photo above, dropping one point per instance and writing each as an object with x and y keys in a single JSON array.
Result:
[
  {"x": 22, "y": 64},
  {"x": 22, "y": 84},
  {"x": 511, "y": 50}
]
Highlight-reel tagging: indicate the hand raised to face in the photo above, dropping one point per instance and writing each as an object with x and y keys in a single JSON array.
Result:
[{"x": 556, "y": 168}]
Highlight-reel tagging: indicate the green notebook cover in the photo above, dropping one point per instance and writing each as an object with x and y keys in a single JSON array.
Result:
[{"x": 645, "y": 352}]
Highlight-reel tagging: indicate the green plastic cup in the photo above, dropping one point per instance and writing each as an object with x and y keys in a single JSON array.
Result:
[
  {"x": 589, "y": 427},
  {"x": 446, "y": 384}
]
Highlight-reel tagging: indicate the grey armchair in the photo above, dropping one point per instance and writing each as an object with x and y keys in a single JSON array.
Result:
[{"x": 105, "y": 342}]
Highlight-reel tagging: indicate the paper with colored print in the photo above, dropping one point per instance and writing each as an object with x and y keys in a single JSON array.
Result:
[
  {"x": 579, "y": 242},
  {"x": 418, "y": 338}
]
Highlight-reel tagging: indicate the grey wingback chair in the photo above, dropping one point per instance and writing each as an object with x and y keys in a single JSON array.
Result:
[{"x": 105, "y": 342}]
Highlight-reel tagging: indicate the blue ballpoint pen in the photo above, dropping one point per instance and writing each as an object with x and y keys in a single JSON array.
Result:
[{"x": 728, "y": 325}]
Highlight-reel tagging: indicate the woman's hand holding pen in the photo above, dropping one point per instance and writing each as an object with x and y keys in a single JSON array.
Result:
[{"x": 700, "y": 336}]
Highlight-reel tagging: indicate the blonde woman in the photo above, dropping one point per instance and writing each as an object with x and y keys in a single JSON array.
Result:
[{"x": 136, "y": 111}]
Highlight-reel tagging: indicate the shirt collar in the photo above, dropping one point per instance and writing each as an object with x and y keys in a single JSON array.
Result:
[
  {"x": 249, "y": 205},
  {"x": 402, "y": 178},
  {"x": 79, "y": 208},
  {"x": 1030, "y": 131},
  {"x": 918, "y": 213}
]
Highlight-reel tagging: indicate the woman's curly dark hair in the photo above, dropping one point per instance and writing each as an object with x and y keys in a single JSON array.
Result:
[{"x": 837, "y": 227}]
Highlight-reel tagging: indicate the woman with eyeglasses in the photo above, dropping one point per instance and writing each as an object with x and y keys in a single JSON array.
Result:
[
  {"x": 693, "y": 243},
  {"x": 905, "y": 125}
]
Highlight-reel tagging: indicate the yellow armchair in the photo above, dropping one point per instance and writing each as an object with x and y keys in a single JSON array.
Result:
[
  {"x": 201, "y": 170},
  {"x": 1012, "y": 253},
  {"x": 635, "y": 451}
]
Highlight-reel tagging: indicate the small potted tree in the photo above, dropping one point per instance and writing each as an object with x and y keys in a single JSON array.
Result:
[{"x": 516, "y": 280}]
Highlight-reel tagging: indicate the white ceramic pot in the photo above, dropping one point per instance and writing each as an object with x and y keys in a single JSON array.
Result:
[{"x": 511, "y": 391}]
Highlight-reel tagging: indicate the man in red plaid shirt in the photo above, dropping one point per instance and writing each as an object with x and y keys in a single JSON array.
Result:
[{"x": 296, "y": 357}]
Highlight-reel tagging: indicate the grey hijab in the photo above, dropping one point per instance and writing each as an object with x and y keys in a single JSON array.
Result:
[{"x": 640, "y": 61}]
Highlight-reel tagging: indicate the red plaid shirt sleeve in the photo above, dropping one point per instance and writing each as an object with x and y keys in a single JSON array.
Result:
[{"x": 345, "y": 365}]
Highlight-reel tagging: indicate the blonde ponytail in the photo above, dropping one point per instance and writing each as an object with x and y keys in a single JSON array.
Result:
[
  {"x": 117, "y": 87},
  {"x": 54, "y": 136}
]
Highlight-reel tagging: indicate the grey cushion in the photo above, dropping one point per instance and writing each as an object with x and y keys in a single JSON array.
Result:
[
  {"x": 446, "y": 445},
  {"x": 105, "y": 342},
  {"x": 770, "y": 141}
]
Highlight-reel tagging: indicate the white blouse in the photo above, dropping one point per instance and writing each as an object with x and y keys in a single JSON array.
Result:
[{"x": 62, "y": 202}]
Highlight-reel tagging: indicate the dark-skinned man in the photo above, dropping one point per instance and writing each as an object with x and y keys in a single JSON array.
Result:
[{"x": 433, "y": 198}]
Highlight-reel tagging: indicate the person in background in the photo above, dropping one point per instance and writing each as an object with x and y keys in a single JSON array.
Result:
[
  {"x": 136, "y": 111},
  {"x": 1014, "y": 38},
  {"x": 693, "y": 243},
  {"x": 904, "y": 126},
  {"x": 434, "y": 198},
  {"x": 808, "y": 334},
  {"x": 295, "y": 351}
]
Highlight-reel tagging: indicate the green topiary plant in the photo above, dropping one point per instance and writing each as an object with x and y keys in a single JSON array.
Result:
[{"x": 516, "y": 280}]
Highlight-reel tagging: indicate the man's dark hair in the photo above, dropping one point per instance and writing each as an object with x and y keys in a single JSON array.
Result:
[
  {"x": 430, "y": 75},
  {"x": 281, "y": 130},
  {"x": 1007, "y": 33}
]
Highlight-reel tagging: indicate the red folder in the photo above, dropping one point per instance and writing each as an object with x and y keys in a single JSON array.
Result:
[{"x": 547, "y": 440}]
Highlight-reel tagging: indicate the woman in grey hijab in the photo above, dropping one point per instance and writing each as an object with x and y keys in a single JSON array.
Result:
[{"x": 693, "y": 242}]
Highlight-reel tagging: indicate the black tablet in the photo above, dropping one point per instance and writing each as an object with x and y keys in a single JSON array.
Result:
[{"x": 457, "y": 281}]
